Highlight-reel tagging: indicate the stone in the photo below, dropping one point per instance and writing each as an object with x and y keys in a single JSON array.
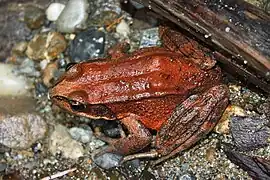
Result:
[
  {"x": 50, "y": 74},
  {"x": 34, "y": 17},
  {"x": 54, "y": 10},
  {"x": 46, "y": 46},
  {"x": 61, "y": 141},
  {"x": 108, "y": 160},
  {"x": 10, "y": 83},
  {"x": 22, "y": 130},
  {"x": 249, "y": 133},
  {"x": 87, "y": 44},
  {"x": 19, "y": 48},
  {"x": 123, "y": 29},
  {"x": 80, "y": 134},
  {"x": 73, "y": 16},
  {"x": 150, "y": 37}
]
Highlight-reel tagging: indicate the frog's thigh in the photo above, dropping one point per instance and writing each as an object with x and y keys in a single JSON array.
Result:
[
  {"x": 139, "y": 136},
  {"x": 191, "y": 121}
]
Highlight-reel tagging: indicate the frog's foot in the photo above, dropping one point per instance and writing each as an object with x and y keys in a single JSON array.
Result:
[
  {"x": 151, "y": 154},
  {"x": 138, "y": 138}
]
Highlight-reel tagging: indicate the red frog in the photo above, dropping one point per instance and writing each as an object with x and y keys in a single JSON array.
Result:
[{"x": 175, "y": 90}]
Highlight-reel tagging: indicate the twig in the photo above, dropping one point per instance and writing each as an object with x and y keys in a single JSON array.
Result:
[{"x": 59, "y": 174}]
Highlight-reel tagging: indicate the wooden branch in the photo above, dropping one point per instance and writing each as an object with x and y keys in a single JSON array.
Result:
[{"x": 236, "y": 30}]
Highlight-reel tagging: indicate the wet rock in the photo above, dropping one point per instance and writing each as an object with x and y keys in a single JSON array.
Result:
[
  {"x": 54, "y": 10},
  {"x": 10, "y": 84},
  {"x": 123, "y": 29},
  {"x": 46, "y": 46},
  {"x": 108, "y": 160},
  {"x": 19, "y": 48},
  {"x": 249, "y": 132},
  {"x": 73, "y": 16},
  {"x": 80, "y": 134},
  {"x": 34, "y": 17},
  {"x": 87, "y": 44},
  {"x": 258, "y": 168},
  {"x": 61, "y": 141},
  {"x": 150, "y": 37},
  {"x": 21, "y": 131}
]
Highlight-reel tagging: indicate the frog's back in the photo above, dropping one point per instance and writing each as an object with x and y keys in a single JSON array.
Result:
[{"x": 141, "y": 77}]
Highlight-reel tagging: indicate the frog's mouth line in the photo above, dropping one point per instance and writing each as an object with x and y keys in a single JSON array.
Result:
[{"x": 93, "y": 111}]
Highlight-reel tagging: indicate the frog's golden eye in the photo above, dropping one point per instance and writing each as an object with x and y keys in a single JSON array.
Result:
[
  {"x": 77, "y": 106},
  {"x": 69, "y": 65}
]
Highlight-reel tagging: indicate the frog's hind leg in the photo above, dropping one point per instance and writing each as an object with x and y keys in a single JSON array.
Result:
[{"x": 138, "y": 138}]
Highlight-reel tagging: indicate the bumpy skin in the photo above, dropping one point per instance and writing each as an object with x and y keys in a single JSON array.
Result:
[{"x": 142, "y": 90}]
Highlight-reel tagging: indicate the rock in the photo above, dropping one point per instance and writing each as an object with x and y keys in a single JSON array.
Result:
[
  {"x": 123, "y": 29},
  {"x": 21, "y": 131},
  {"x": 49, "y": 73},
  {"x": 80, "y": 134},
  {"x": 60, "y": 140},
  {"x": 108, "y": 160},
  {"x": 150, "y": 37},
  {"x": 249, "y": 132},
  {"x": 73, "y": 16},
  {"x": 34, "y": 17},
  {"x": 19, "y": 48},
  {"x": 54, "y": 10},
  {"x": 10, "y": 84},
  {"x": 27, "y": 67},
  {"x": 46, "y": 46},
  {"x": 223, "y": 125},
  {"x": 256, "y": 167},
  {"x": 3, "y": 167},
  {"x": 87, "y": 44}
]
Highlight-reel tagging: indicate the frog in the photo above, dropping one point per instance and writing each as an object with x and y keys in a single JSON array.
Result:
[{"x": 175, "y": 91}]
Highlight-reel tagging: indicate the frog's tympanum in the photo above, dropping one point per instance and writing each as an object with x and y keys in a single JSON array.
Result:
[{"x": 175, "y": 90}]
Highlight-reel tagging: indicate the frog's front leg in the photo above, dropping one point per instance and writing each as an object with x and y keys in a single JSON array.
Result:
[{"x": 138, "y": 138}]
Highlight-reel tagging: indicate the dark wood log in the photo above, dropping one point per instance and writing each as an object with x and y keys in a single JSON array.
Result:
[{"x": 237, "y": 31}]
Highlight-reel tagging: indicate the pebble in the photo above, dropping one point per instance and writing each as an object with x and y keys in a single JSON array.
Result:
[
  {"x": 19, "y": 48},
  {"x": 49, "y": 73},
  {"x": 150, "y": 37},
  {"x": 73, "y": 16},
  {"x": 27, "y": 67},
  {"x": 34, "y": 17},
  {"x": 46, "y": 46},
  {"x": 87, "y": 44},
  {"x": 223, "y": 125},
  {"x": 21, "y": 131},
  {"x": 108, "y": 160},
  {"x": 10, "y": 84},
  {"x": 60, "y": 140},
  {"x": 54, "y": 10},
  {"x": 123, "y": 29},
  {"x": 80, "y": 134}
]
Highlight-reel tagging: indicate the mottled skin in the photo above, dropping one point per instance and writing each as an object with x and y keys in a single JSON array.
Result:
[{"x": 148, "y": 89}]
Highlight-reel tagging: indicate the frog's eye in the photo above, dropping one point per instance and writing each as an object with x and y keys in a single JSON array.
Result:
[
  {"x": 77, "y": 106},
  {"x": 69, "y": 65}
]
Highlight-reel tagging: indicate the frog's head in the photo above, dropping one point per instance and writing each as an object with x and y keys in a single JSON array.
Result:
[{"x": 70, "y": 93}]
